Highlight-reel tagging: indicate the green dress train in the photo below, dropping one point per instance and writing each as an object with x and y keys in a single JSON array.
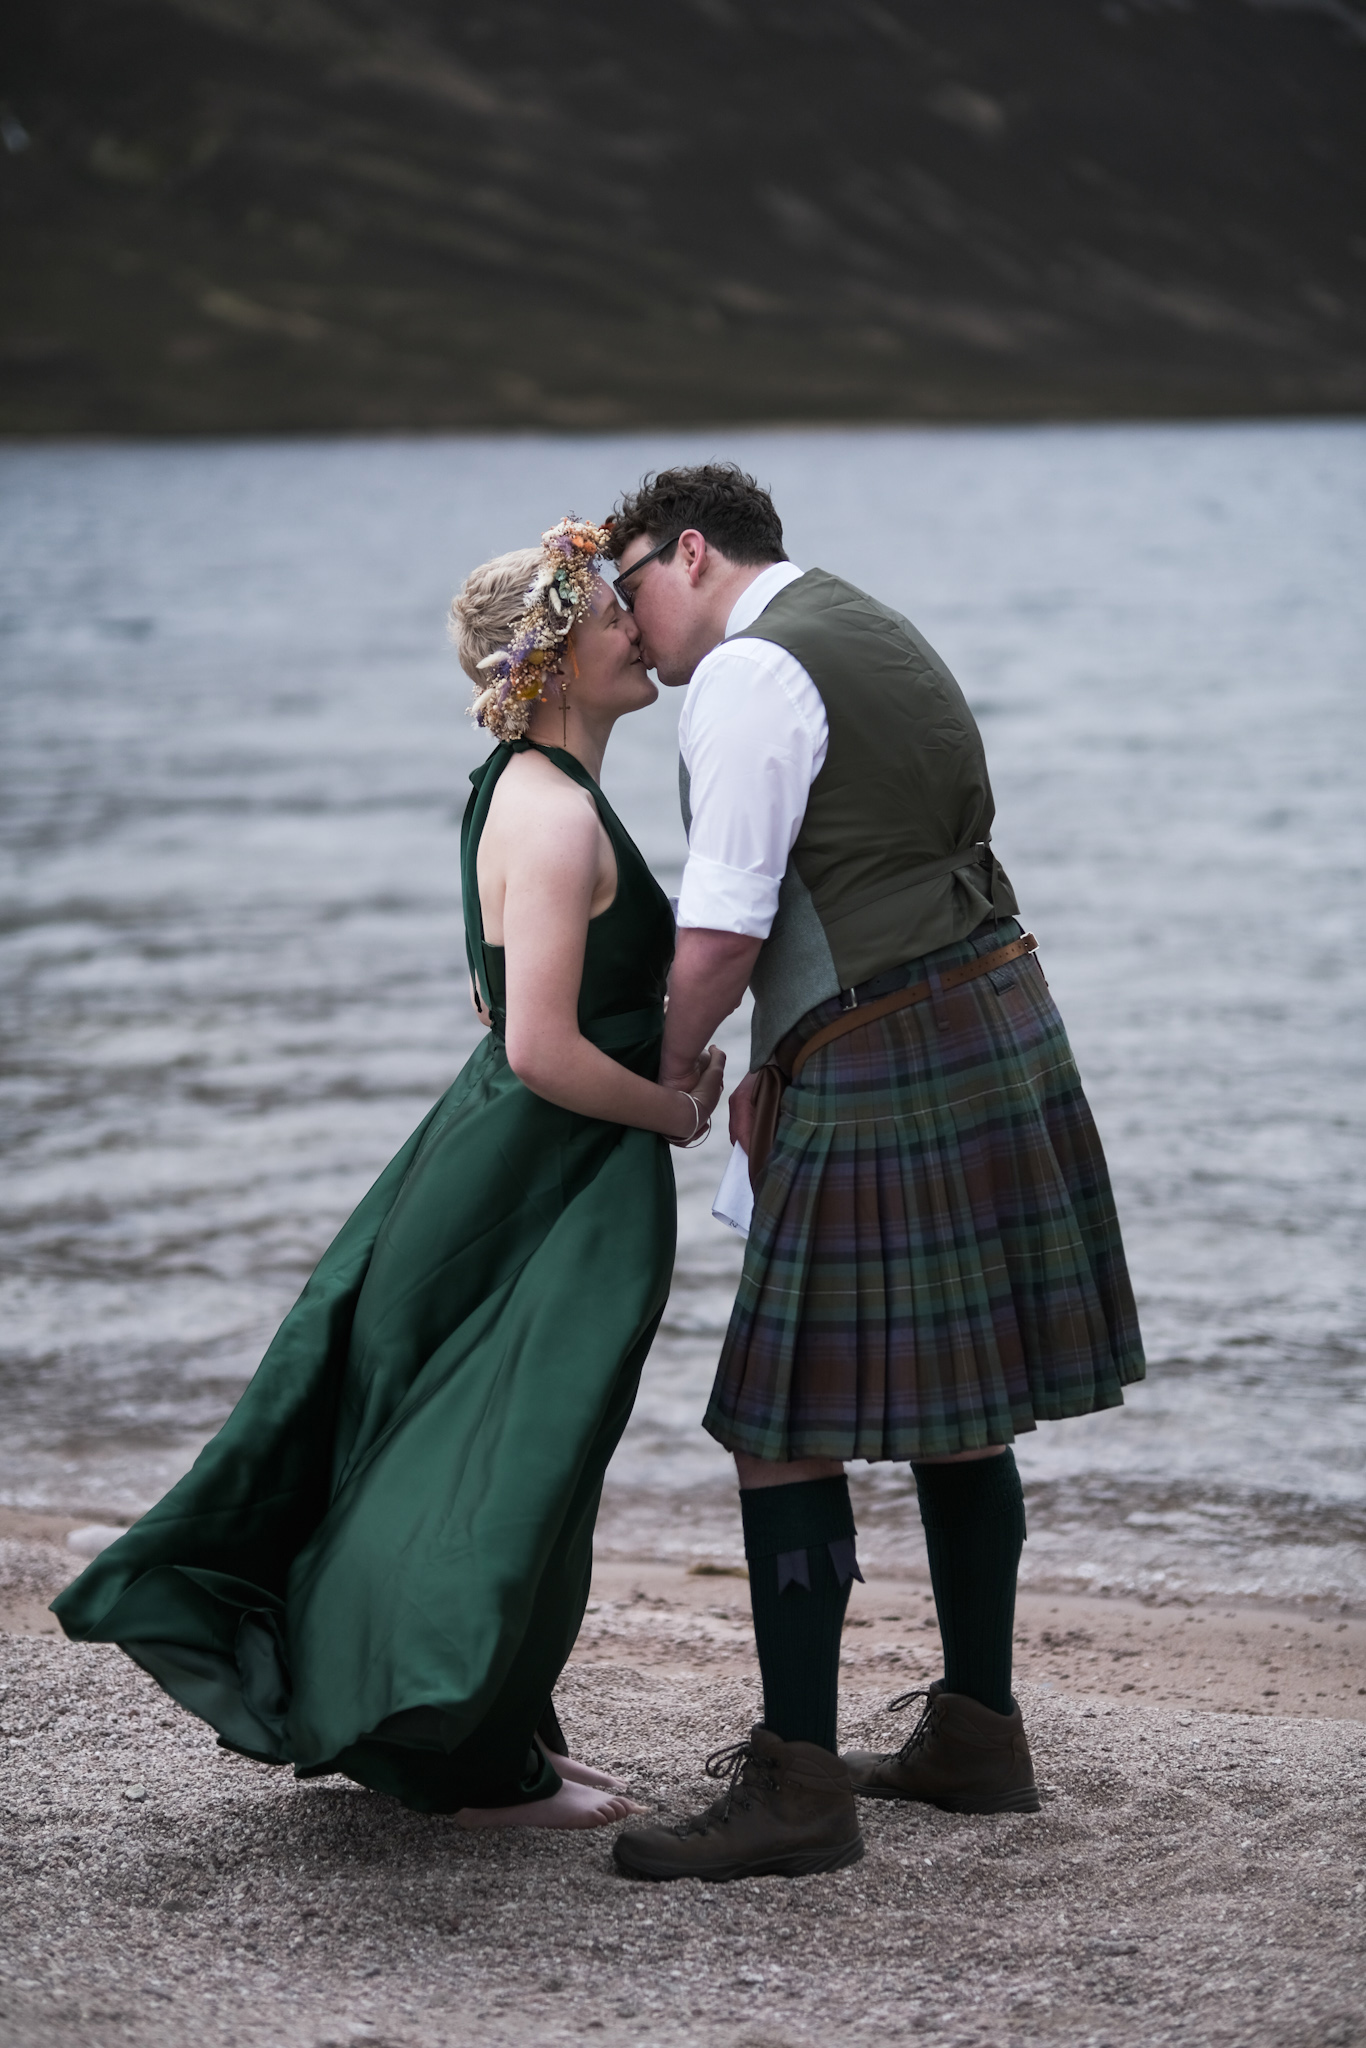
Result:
[{"x": 380, "y": 1564}]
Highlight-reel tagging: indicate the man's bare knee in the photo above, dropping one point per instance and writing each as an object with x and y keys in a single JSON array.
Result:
[
  {"x": 965, "y": 1457},
  {"x": 769, "y": 1472}
]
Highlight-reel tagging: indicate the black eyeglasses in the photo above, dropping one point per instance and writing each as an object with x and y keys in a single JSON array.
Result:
[{"x": 623, "y": 595}]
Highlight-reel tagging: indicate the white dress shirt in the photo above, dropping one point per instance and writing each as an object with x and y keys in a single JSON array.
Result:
[{"x": 753, "y": 736}]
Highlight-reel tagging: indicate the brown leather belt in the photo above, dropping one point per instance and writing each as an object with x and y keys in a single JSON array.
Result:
[{"x": 791, "y": 1055}]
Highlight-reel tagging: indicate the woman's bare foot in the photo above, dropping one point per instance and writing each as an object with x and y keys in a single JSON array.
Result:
[
  {"x": 573, "y": 1806},
  {"x": 575, "y": 1773}
]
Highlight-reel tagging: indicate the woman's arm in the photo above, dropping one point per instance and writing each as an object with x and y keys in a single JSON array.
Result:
[{"x": 551, "y": 865}]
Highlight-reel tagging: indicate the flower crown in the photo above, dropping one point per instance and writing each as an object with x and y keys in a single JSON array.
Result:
[{"x": 560, "y": 589}]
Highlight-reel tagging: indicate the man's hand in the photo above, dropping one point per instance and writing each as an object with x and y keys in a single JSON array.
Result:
[
  {"x": 706, "y": 1089},
  {"x": 742, "y": 1112},
  {"x": 684, "y": 1074}
]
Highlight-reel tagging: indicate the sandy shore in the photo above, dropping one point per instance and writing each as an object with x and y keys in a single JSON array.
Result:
[{"x": 1197, "y": 1874}]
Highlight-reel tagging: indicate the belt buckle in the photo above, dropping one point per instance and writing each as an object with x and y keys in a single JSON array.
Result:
[{"x": 848, "y": 998}]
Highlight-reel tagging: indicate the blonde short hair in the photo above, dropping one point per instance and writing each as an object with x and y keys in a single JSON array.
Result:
[{"x": 487, "y": 606}]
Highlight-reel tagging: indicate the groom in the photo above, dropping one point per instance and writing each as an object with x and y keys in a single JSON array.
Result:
[{"x": 839, "y": 812}]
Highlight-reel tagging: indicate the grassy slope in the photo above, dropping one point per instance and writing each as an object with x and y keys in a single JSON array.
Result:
[{"x": 297, "y": 214}]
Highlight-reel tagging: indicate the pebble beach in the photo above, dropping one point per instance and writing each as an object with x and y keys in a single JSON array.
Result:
[{"x": 1197, "y": 1872}]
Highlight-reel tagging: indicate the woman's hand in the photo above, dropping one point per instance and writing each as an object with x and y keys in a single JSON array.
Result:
[{"x": 705, "y": 1091}]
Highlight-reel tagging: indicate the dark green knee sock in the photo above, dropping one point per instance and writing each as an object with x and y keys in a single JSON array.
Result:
[
  {"x": 974, "y": 1528},
  {"x": 799, "y": 1541}
]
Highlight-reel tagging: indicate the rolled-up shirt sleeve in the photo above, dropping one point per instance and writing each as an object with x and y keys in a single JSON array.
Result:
[{"x": 753, "y": 735}]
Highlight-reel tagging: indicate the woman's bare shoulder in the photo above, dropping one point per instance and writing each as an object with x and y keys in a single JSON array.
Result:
[{"x": 535, "y": 799}]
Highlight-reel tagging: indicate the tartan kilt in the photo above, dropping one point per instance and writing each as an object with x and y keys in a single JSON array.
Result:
[{"x": 935, "y": 1262}]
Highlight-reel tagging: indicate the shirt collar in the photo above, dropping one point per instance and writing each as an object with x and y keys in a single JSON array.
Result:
[{"x": 758, "y": 595}]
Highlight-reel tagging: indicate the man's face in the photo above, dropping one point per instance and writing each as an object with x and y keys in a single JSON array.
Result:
[{"x": 673, "y": 606}]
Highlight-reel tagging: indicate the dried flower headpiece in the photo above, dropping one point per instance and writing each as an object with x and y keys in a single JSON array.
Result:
[{"x": 558, "y": 592}]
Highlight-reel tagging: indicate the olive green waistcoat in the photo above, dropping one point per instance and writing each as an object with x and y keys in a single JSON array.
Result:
[{"x": 891, "y": 860}]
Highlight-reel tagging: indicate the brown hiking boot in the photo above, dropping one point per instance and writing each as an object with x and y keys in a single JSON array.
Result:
[
  {"x": 960, "y": 1756},
  {"x": 788, "y": 1811}
]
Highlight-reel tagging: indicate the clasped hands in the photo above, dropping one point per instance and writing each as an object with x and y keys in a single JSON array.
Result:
[
  {"x": 702, "y": 1079},
  {"x": 698, "y": 1078}
]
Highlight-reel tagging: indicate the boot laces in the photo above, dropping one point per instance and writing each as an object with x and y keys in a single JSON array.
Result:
[
  {"x": 739, "y": 1766},
  {"x": 919, "y": 1734}
]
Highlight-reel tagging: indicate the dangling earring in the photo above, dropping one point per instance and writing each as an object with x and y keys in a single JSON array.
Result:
[{"x": 564, "y": 692}]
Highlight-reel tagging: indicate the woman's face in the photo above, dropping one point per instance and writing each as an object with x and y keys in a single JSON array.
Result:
[{"x": 604, "y": 648}]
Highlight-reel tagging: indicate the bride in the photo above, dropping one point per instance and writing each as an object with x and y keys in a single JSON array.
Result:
[{"x": 380, "y": 1564}]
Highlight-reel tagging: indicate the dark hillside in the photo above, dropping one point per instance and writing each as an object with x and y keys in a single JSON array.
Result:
[{"x": 228, "y": 215}]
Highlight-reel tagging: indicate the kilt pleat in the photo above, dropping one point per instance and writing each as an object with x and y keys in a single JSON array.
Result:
[{"x": 935, "y": 1263}]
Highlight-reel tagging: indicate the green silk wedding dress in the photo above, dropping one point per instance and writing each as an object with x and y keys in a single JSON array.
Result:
[{"x": 380, "y": 1564}]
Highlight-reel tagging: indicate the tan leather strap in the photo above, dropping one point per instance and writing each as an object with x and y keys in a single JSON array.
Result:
[
  {"x": 766, "y": 1102},
  {"x": 772, "y": 1079},
  {"x": 970, "y": 969},
  {"x": 903, "y": 998}
]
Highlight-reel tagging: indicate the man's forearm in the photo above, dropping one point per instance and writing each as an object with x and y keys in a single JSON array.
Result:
[{"x": 710, "y": 974}]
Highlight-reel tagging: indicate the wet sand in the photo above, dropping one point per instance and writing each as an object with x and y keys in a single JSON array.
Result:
[
  {"x": 1214, "y": 1658},
  {"x": 1197, "y": 1873}
]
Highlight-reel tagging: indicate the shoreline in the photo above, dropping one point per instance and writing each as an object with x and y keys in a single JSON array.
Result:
[
  {"x": 1210, "y": 1657},
  {"x": 1183, "y": 1651}
]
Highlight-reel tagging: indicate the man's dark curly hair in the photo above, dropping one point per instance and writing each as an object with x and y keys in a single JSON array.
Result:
[{"x": 730, "y": 510}]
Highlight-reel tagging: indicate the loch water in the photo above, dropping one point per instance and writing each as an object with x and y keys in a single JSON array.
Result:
[{"x": 232, "y": 765}]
